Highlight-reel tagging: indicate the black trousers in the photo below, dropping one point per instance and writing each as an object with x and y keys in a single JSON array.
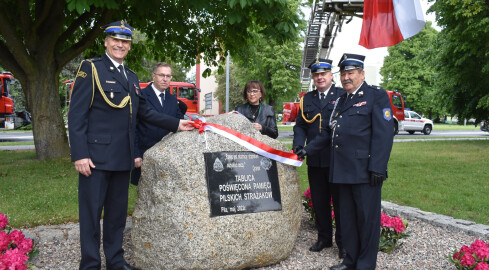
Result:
[
  {"x": 108, "y": 191},
  {"x": 322, "y": 192},
  {"x": 360, "y": 217}
]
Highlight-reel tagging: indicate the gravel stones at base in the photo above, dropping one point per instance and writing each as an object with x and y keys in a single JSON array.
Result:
[{"x": 426, "y": 248}]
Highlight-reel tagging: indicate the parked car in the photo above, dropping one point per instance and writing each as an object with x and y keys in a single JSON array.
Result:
[
  {"x": 414, "y": 122},
  {"x": 485, "y": 126}
]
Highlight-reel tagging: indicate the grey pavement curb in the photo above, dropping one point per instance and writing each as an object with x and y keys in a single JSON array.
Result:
[
  {"x": 16, "y": 147},
  {"x": 456, "y": 225},
  {"x": 45, "y": 234},
  {"x": 71, "y": 231}
]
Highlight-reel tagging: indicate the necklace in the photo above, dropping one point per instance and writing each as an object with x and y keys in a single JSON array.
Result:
[{"x": 255, "y": 110}]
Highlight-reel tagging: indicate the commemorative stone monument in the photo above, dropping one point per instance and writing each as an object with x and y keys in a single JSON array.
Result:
[{"x": 206, "y": 202}]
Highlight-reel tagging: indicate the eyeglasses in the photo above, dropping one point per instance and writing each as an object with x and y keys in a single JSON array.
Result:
[
  {"x": 163, "y": 75},
  {"x": 253, "y": 91}
]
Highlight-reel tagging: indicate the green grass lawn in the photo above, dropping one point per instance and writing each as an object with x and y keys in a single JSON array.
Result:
[
  {"x": 34, "y": 192},
  {"x": 15, "y": 143},
  {"x": 455, "y": 127},
  {"x": 445, "y": 177}
]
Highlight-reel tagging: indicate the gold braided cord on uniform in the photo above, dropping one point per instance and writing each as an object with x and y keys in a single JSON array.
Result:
[
  {"x": 77, "y": 73},
  {"x": 124, "y": 101},
  {"x": 313, "y": 119}
]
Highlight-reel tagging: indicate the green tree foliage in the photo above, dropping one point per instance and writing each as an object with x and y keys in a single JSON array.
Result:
[
  {"x": 463, "y": 59},
  {"x": 38, "y": 38},
  {"x": 276, "y": 65},
  {"x": 409, "y": 69}
]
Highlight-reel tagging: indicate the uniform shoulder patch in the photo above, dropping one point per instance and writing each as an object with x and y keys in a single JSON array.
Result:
[{"x": 387, "y": 114}]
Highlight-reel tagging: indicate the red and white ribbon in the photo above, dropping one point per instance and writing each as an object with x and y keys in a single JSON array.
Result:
[{"x": 250, "y": 143}]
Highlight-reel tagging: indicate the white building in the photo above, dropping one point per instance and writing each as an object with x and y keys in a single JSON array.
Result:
[{"x": 209, "y": 105}]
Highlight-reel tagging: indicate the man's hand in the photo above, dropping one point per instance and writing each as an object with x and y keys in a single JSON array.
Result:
[
  {"x": 376, "y": 179},
  {"x": 185, "y": 125},
  {"x": 138, "y": 162},
  {"x": 300, "y": 151},
  {"x": 83, "y": 166}
]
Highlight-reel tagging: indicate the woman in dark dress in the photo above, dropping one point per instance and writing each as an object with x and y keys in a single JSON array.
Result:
[{"x": 260, "y": 114}]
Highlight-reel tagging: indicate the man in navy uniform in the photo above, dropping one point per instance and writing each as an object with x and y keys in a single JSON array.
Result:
[
  {"x": 102, "y": 120},
  {"x": 314, "y": 113},
  {"x": 160, "y": 99},
  {"x": 361, "y": 130}
]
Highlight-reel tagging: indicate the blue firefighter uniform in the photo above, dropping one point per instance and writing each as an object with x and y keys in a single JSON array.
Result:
[
  {"x": 361, "y": 134},
  {"x": 102, "y": 122}
]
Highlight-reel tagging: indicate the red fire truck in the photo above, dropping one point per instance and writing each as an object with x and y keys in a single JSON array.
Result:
[
  {"x": 6, "y": 103},
  {"x": 184, "y": 91},
  {"x": 9, "y": 119},
  {"x": 291, "y": 110}
]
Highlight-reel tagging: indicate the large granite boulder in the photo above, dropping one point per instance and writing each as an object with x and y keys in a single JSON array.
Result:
[{"x": 173, "y": 228}]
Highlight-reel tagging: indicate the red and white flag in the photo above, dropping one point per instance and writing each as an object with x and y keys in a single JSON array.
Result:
[{"x": 388, "y": 22}]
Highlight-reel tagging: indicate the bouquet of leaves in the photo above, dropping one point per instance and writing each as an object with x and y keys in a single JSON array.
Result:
[
  {"x": 15, "y": 250},
  {"x": 475, "y": 257},
  {"x": 392, "y": 230}
]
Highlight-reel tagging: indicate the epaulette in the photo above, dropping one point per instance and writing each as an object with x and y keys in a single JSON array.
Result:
[
  {"x": 310, "y": 93},
  {"x": 95, "y": 59},
  {"x": 376, "y": 87},
  {"x": 128, "y": 69}
]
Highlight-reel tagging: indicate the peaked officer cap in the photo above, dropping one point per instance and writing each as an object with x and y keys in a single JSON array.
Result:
[
  {"x": 320, "y": 65},
  {"x": 119, "y": 30},
  {"x": 351, "y": 61}
]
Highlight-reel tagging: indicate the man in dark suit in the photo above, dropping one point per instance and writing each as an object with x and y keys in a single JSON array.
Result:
[
  {"x": 314, "y": 112},
  {"x": 102, "y": 120},
  {"x": 362, "y": 135},
  {"x": 158, "y": 97}
]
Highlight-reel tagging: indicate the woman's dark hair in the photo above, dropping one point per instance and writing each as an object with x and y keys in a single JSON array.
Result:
[{"x": 254, "y": 85}]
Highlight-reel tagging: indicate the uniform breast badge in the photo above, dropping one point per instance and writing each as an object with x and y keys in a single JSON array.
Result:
[{"x": 136, "y": 89}]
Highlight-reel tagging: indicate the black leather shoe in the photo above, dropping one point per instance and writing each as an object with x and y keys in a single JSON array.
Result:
[
  {"x": 319, "y": 245},
  {"x": 340, "y": 267},
  {"x": 126, "y": 267},
  {"x": 342, "y": 253}
]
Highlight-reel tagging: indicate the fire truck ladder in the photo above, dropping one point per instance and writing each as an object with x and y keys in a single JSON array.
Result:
[{"x": 327, "y": 17}]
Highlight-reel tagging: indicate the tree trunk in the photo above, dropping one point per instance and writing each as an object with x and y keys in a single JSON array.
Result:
[{"x": 48, "y": 127}]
